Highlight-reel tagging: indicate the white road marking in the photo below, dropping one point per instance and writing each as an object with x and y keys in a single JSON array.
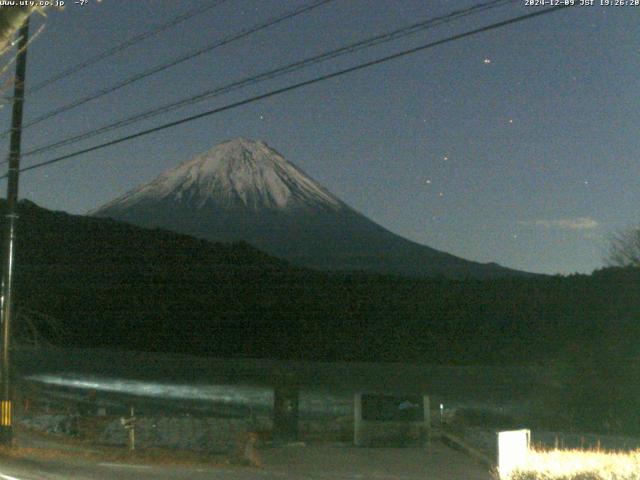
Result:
[{"x": 8, "y": 477}]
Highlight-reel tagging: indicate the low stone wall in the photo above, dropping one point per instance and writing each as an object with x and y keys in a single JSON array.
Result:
[
  {"x": 60, "y": 423},
  {"x": 216, "y": 435},
  {"x": 200, "y": 434}
]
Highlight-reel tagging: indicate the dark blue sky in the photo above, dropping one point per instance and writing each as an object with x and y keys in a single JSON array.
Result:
[{"x": 518, "y": 146}]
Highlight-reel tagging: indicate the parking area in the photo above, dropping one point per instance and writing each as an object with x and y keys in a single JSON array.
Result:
[{"x": 344, "y": 462}]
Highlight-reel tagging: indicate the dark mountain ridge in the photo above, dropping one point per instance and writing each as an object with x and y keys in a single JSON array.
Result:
[{"x": 115, "y": 285}]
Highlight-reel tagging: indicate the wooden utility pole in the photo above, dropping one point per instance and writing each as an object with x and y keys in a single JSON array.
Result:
[{"x": 6, "y": 424}]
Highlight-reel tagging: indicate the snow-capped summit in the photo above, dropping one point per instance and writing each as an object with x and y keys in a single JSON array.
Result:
[
  {"x": 239, "y": 173},
  {"x": 243, "y": 190}
]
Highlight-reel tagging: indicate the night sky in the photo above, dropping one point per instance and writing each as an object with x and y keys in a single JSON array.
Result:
[{"x": 519, "y": 145}]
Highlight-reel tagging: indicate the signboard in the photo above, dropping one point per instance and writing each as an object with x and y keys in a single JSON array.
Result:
[
  {"x": 513, "y": 447},
  {"x": 391, "y": 420},
  {"x": 392, "y": 408}
]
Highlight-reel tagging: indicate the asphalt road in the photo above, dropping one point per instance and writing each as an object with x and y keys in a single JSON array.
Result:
[{"x": 321, "y": 462}]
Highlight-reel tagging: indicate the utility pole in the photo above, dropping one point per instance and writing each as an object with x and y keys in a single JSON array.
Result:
[{"x": 6, "y": 425}]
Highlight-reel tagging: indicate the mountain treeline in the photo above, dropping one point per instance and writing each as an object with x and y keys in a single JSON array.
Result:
[{"x": 114, "y": 285}]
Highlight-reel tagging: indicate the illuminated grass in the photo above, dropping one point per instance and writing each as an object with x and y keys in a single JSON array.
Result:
[{"x": 579, "y": 465}]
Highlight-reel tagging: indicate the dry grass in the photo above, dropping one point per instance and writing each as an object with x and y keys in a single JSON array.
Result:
[{"x": 579, "y": 465}]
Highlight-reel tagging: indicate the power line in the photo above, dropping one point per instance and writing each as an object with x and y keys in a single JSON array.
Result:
[
  {"x": 172, "y": 63},
  {"x": 271, "y": 74},
  {"x": 124, "y": 45},
  {"x": 296, "y": 86}
]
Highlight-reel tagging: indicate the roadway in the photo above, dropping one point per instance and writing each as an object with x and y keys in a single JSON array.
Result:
[{"x": 317, "y": 461}]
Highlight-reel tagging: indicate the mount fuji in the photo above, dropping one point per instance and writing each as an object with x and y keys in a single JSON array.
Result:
[{"x": 243, "y": 190}]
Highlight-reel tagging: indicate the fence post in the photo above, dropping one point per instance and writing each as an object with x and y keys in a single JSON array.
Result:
[
  {"x": 129, "y": 425},
  {"x": 286, "y": 398},
  {"x": 132, "y": 432}
]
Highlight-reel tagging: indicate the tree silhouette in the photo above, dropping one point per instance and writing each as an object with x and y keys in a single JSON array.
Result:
[{"x": 624, "y": 250}]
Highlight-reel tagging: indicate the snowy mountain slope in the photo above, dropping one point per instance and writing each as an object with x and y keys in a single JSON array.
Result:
[
  {"x": 236, "y": 174},
  {"x": 244, "y": 190}
]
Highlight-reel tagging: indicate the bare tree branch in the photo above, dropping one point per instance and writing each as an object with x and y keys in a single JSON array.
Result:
[{"x": 624, "y": 250}]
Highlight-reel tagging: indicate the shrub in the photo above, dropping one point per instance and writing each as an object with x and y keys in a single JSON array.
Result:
[{"x": 579, "y": 465}]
